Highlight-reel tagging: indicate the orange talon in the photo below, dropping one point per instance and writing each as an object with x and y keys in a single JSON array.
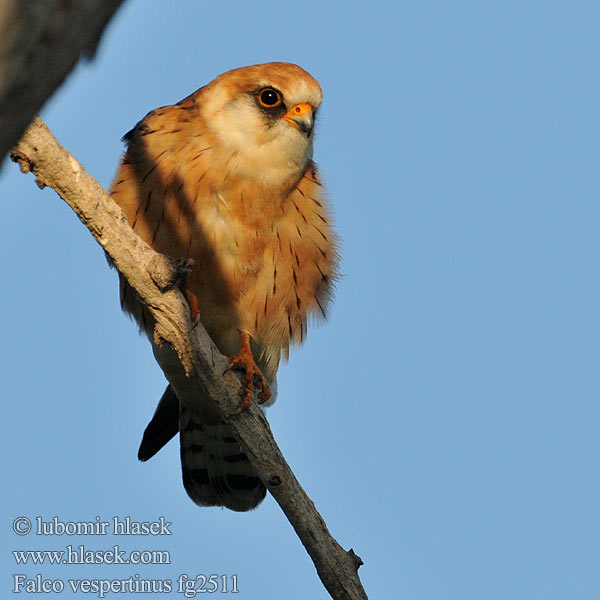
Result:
[
  {"x": 185, "y": 266},
  {"x": 253, "y": 378},
  {"x": 194, "y": 305}
]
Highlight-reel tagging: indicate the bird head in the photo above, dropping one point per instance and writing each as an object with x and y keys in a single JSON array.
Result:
[{"x": 263, "y": 115}]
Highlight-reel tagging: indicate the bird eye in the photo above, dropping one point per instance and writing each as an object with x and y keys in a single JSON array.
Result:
[{"x": 269, "y": 98}]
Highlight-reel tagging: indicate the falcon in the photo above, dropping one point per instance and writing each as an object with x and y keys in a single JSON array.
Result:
[{"x": 226, "y": 177}]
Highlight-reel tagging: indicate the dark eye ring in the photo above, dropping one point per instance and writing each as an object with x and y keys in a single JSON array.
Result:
[{"x": 269, "y": 98}]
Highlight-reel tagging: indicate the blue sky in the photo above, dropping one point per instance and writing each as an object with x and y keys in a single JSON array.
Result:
[{"x": 445, "y": 421}]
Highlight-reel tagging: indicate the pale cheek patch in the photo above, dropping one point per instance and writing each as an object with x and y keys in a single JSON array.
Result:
[
  {"x": 260, "y": 149},
  {"x": 238, "y": 126}
]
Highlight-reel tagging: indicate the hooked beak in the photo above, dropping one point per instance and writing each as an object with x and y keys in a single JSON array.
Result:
[{"x": 300, "y": 117}]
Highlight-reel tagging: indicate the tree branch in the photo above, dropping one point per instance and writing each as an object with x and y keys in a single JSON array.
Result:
[
  {"x": 152, "y": 276},
  {"x": 40, "y": 42}
]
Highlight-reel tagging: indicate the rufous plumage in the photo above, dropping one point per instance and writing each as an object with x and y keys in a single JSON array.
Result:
[{"x": 226, "y": 177}]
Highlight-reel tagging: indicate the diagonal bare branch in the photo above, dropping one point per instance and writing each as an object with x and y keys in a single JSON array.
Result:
[{"x": 152, "y": 276}]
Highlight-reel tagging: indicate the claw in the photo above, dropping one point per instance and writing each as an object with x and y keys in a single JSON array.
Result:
[
  {"x": 184, "y": 267},
  {"x": 252, "y": 378},
  {"x": 194, "y": 305}
]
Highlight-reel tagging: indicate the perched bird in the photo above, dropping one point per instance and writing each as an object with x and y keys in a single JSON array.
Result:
[{"x": 226, "y": 177}]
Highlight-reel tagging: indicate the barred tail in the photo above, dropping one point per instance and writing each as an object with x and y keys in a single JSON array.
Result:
[{"x": 215, "y": 470}]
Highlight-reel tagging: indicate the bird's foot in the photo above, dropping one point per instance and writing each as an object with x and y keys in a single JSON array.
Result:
[
  {"x": 184, "y": 270},
  {"x": 252, "y": 378},
  {"x": 194, "y": 305}
]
